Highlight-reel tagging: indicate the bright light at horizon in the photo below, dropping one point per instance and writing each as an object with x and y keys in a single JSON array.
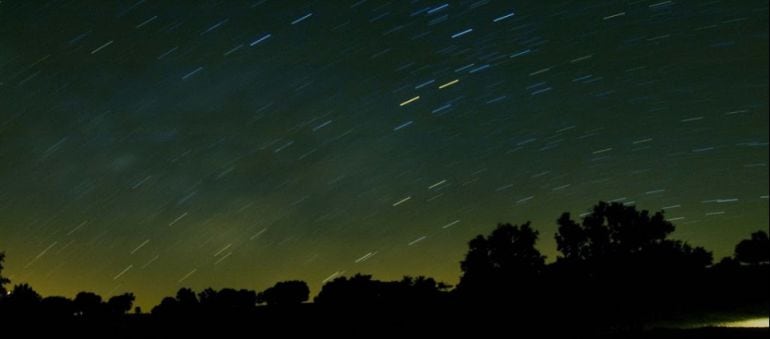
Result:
[{"x": 755, "y": 323}]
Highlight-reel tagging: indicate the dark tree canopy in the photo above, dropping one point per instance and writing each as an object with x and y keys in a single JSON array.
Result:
[
  {"x": 3, "y": 280},
  {"x": 21, "y": 302},
  {"x": 57, "y": 307},
  {"x": 620, "y": 261},
  {"x": 362, "y": 290},
  {"x": 422, "y": 289},
  {"x": 88, "y": 304},
  {"x": 358, "y": 289},
  {"x": 23, "y": 297},
  {"x": 168, "y": 307},
  {"x": 227, "y": 300},
  {"x": 120, "y": 304},
  {"x": 502, "y": 260},
  {"x": 755, "y": 250},
  {"x": 608, "y": 229},
  {"x": 285, "y": 293},
  {"x": 209, "y": 302},
  {"x": 187, "y": 298},
  {"x": 616, "y": 234}
]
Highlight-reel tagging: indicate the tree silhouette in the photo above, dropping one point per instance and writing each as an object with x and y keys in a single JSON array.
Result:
[
  {"x": 168, "y": 307},
  {"x": 502, "y": 263},
  {"x": 755, "y": 250},
  {"x": 363, "y": 291},
  {"x": 615, "y": 231},
  {"x": 227, "y": 300},
  {"x": 3, "y": 280},
  {"x": 56, "y": 307},
  {"x": 621, "y": 260},
  {"x": 23, "y": 300},
  {"x": 616, "y": 269},
  {"x": 285, "y": 293},
  {"x": 422, "y": 290},
  {"x": 88, "y": 304},
  {"x": 187, "y": 298},
  {"x": 120, "y": 304},
  {"x": 185, "y": 305},
  {"x": 356, "y": 290},
  {"x": 609, "y": 229}
]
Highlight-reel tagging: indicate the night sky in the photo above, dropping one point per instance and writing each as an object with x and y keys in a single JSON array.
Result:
[{"x": 151, "y": 145}]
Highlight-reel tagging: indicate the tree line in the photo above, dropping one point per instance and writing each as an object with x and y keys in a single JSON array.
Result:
[{"x": 616, "y": 267}]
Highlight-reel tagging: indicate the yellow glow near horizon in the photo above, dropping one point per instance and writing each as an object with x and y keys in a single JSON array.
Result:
[{"x": 754, "y": 323}]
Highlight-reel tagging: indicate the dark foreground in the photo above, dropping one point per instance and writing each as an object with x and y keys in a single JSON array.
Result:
[
  {"x": 385, "y": 330},
  {"x": 700, "y": 333},
  {"x": 310, "y": 320}
]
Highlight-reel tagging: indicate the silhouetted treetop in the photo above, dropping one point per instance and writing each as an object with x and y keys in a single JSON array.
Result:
[
  {"x": 363, "y": 290},
  {"x": 227, "y": 300},
  {"x": 504, "y": 258},
  {"x": 56, "y": 307},
  {"x": 285, "y": 293},
  {"x": 3, "y": 280},
  {"x": 420, "y": 290},
  {"x": 358, "y": 289},
  {"x": 612, "y": 227},
  {"x": 23, "y": 294},
  {"x": 187, "y": 298},
  {"x": 22, "y": 302},
  {"x": 755, "y": 250},
  {"x": 88, "y": 304},
  {"x": 614, "y": 231},
  {"x": 120, "y": 304},
  {"x": 209, "y": 302}
]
